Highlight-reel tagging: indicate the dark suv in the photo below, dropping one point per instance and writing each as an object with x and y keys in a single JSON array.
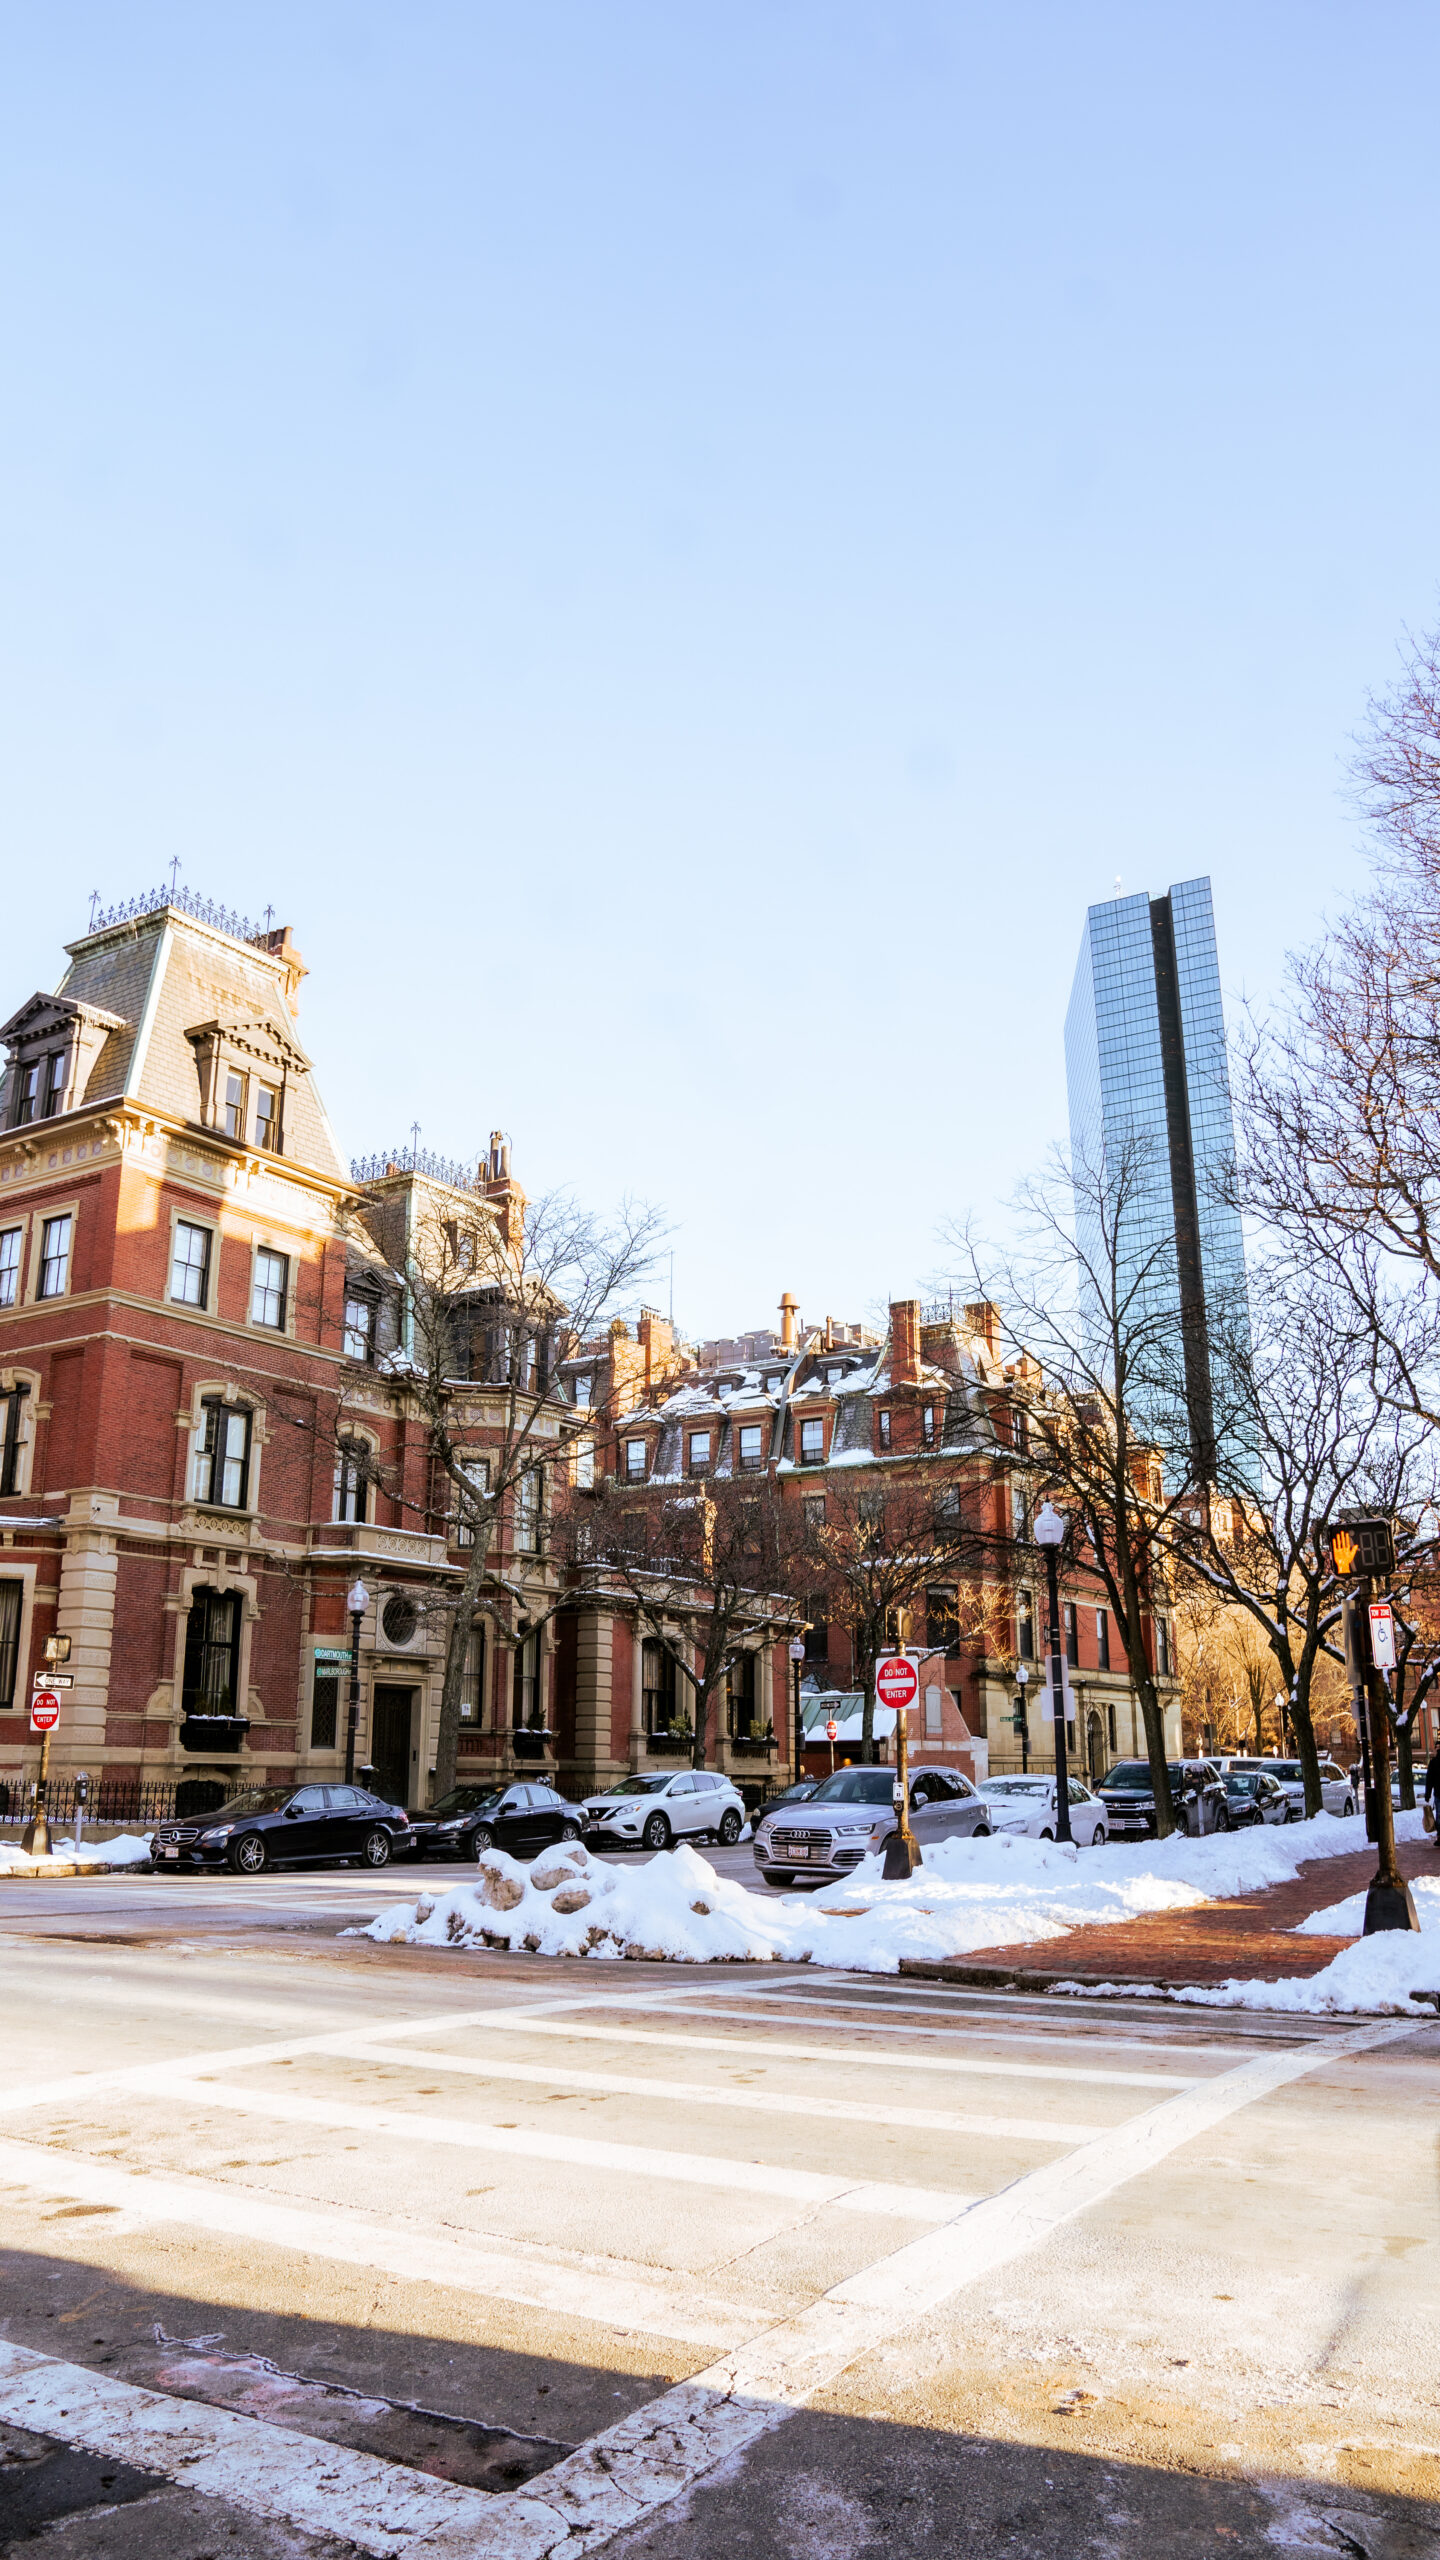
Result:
[
  {"x": 1197, "y": 1798},
  {"x": 286, "y": 1827}
]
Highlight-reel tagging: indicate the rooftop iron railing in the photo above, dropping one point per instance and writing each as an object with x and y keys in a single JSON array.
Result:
[{"x": 190, "y": 902}]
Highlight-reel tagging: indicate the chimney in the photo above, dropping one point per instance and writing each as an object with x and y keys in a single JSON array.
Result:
[
  {"x": 983, "y": 1318},
  {"x": 789, "y": 1309},
  {"x": 905, "y": 1342}
]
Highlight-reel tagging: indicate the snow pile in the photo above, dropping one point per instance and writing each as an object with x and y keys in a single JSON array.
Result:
[
  {"x": 124, "y": 1851},
  {"x": 969, "y": 1893},
  {"x": 1387, "y": 1973}
]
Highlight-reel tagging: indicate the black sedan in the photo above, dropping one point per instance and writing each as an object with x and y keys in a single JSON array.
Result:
[
  {"x": 469, "y": 1820},
  {"x": 1252, "y": 1796},
  {"x": 286, "y": 1827}
]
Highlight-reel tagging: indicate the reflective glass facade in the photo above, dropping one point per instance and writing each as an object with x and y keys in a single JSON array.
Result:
[{"x": 1145, "y": 1059}]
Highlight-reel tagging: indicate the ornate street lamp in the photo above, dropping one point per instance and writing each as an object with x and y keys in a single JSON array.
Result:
[
  {"x": 357, "y": 1601},
  {"x": 1050, "y": 1534}
]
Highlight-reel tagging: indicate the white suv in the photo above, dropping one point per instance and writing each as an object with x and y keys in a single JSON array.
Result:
[
  {"x": 1336, "y": 1793},
  {"x": 655, "y": 1810}
]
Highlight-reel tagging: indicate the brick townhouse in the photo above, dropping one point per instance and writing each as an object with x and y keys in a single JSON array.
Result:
[
  {"x": 931, "y": 1402},
  {"x": 187, "y": 1286}
]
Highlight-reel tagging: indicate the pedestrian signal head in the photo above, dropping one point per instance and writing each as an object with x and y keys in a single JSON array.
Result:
[{"x": 1362, "y": 1547}]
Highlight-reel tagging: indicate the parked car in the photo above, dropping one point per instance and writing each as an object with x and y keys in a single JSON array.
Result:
[
  {"x": 523, "y": 1818},
  {"x": 287, "y": 1827},
  {"x": 800, "y": 1793},
  {"x": 1253, "y": 1796},
  {"x": 1027, "y": 1805},
  {"x": 654, "y": 1810},
  {"x": 853, "y": 1812},
  {"x": 1197, "y": 1798},
  {"x": 1336, "y": 1792}
]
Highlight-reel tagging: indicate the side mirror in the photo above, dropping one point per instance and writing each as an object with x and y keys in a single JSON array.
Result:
[{"x": 291, "y": 1810}]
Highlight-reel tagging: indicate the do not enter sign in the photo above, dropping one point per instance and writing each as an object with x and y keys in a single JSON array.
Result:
[
  {"x": 897, "y": 1682},
  {"x": 831, "y": 1729},
  {"x": 44, "y": 1711}
]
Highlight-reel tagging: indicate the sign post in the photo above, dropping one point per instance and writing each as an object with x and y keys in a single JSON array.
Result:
[
  {"x": 831, "y": 1729},
  {"x": 44, "y": 1717},
  {"x": 1362, "y": 1550},
  {"x": 897, "y": 1685}
]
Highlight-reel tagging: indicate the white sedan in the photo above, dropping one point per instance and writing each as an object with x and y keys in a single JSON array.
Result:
[{"x": 1027, "y": 1805}]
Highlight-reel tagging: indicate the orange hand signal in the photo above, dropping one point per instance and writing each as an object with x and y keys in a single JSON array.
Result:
[{"x": 1343, "y": 1550}]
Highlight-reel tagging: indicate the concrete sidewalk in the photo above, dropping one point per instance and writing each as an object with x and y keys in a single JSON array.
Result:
[{"x": 1251, "y": 1936}]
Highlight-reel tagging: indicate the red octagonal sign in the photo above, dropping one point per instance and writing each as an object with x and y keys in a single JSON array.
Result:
[
  {"x": 44, "y": 1711},
  {"x": 897, "y": 1682}
]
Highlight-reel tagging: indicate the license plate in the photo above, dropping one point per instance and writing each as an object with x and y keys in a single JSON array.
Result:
[
  {"x": 172, "y": 1853},
  {"x": 798, "y": 1852}
]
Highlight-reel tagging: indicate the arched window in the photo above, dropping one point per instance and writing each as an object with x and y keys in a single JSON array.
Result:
[{"x": 352, "y": 1480}]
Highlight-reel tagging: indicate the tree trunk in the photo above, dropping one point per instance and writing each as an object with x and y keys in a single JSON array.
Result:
[
  {"x": 867, "y": 1713},
  {"x": 448, "y": 1738}
]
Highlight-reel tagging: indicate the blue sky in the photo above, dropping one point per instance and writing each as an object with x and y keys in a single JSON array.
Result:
[{"x": 680, "y": 547}]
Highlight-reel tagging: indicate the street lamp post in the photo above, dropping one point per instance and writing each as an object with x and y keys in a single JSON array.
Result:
[
  {"x": 1049, "y": 1534},
  {"x": 357, "y": 1601},
  {"x": 797, "y": 1656}
]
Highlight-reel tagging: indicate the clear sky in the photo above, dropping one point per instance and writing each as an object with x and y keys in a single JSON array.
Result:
[{"x": 680, "y": 546}]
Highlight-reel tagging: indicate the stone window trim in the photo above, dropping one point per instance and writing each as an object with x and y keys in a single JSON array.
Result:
[
  {"x": 40, "y": 1218},
  {"x": 218, "y": 1576},
  {"x": 15, "y": 1720},
  {"x": 47, "y": 1028},
  {"x": 31, "y": 1411},
  {"x": 187, "y": 1217},
  {"x": 266, "y": 1240},
  {"x": 260, "y": 1053},
  {"x": 191, "y": 1419}
]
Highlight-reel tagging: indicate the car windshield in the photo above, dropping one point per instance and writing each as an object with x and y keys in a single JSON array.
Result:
[
  {"x": 639, "y": 1786},
  {"x": 855, "y": 1786},
  {"x": 1282, "y": 1768},
  {"x": 1241, "y": 1782},
  {"x": 466, "y": 1799},
  {"x": 1136, "y": 1773},
  {"x": 1014, "y": 1786},
  {"x": 254, "y": 1800}
]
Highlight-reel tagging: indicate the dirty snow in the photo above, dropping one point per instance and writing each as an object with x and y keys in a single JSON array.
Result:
[
  {"x": 124, "y": 1851},
  {"x": 969, "y": 1894}
]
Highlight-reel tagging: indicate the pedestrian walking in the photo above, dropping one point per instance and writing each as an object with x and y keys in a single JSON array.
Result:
[{"x": 1432, "y": 1794}]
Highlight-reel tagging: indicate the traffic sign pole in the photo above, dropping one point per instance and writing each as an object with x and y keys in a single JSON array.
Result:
[
  {"x": 897, "y": 1685},
  {"x": 1389, "y": 1903}
]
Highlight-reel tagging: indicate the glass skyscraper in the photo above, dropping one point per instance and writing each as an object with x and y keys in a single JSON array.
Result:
[{"x": 1146, "y": 1069}]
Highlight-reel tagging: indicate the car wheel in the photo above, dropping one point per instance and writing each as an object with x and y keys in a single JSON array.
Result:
[
  {"x": 729, "y": 1828},
  {"x": 1047, "y": 1835},
  {"x": 1097, "y": 1836},
  {"x": 1222, "y": 1818},
  {"x": 249, "y": 1856},
  {"x": 981, "y": 1831},
  {"x": 1348, "y": 1806},
  {"x": 376, "y": 1852},
  {"x": 656, "y": 1834},
  {"x": 481, "y": 1839}
]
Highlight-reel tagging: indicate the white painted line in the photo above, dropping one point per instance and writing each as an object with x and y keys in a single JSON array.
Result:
[
  {"x": 576, "y": 2151},
  {"x": 658, "y": 2453},
  {"x": 262, "y": 2469},
  {"x": 690, "y": 2093},
  {"x": 812, "y": 2011},
  {"x": 613, "y": 2293},
  {"x": 772, "y": 2049}
]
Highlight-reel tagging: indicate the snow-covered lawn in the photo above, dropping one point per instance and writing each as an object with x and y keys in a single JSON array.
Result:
[
  {"x": 124, "y": 1851},
  {"x": 970, "y": 1894}
]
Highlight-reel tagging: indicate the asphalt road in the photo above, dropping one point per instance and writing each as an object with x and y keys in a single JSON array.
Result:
[{"x": 313, "y": 2246}]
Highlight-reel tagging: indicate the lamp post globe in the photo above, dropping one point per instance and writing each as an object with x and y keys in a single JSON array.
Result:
[
  {"x": 797, "y": 1656},
  {"x": 1049, "y": 1534}
]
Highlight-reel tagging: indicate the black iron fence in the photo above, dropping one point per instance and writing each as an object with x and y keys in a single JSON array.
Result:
[{"x": 125, "y": 1804}]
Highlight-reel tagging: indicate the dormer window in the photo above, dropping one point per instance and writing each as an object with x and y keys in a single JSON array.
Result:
[
  {"x": 232, "y": 1109},
  {"x": 699, "y": 1452},
  {"x": 267, "y": 1118},
  {"x": 360, "y": 1329},
  {"x": 635, "y": 1460},
  {"x": 884, "y": 1422},
  {"x": 54, "y": 1083},
  {"x": 27, "y": 1096}
]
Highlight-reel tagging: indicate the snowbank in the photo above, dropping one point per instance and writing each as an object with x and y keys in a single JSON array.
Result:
[
  {"x": 969, "y": 1893},
  {"x": 124, "y": 1851},
  {"x": 1383, "y": 1973},
  {"x": 1346, "y": 1919}
]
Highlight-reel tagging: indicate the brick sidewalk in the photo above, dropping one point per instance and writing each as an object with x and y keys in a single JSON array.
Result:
[{"x": 1249, "y": 1937}]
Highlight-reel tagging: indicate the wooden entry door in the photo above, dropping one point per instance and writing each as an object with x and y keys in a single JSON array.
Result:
[{"x": 392, "y": 1715}]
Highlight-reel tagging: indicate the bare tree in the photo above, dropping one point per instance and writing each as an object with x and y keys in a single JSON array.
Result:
[
  {"x": 493, "y": 1297},
  {"x": 1090, "y": 1305},
  {"x": 1313, "y": 1439},
  {"x": 701, "y": 1568}
]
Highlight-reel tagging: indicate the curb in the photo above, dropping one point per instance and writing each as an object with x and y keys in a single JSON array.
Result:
[{"x": 52, "y": 1874}]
